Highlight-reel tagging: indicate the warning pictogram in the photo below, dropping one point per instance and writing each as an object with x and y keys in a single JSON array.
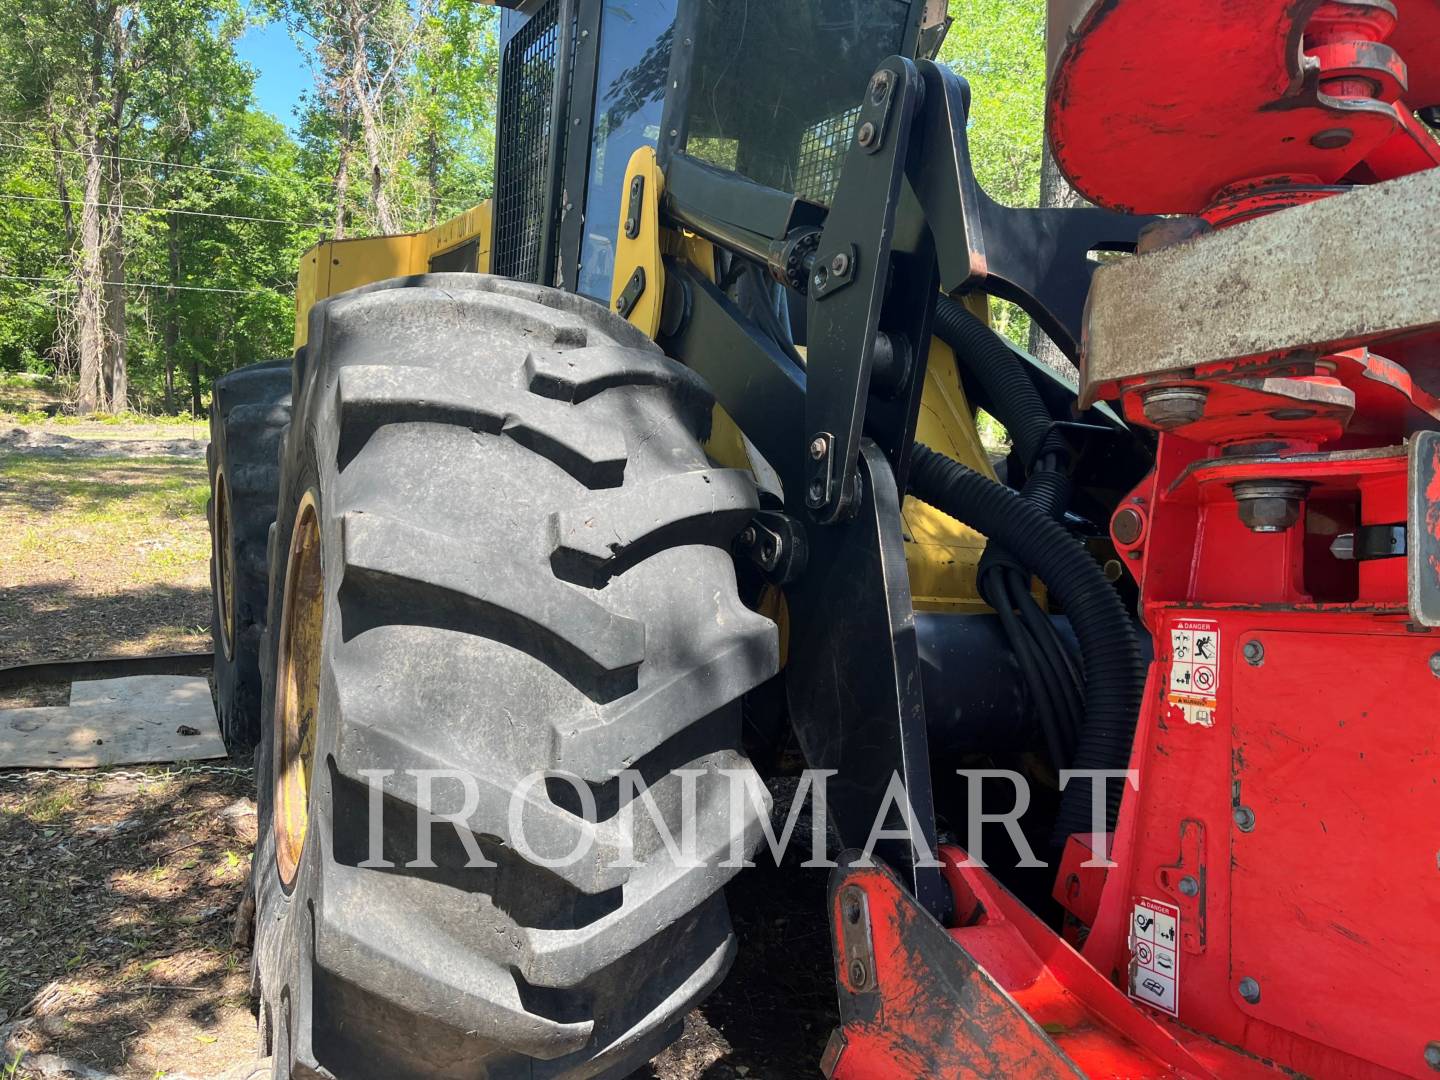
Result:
[
  {"x": 1154, "y": 962},
  {"x": 1195, "y": 669}
]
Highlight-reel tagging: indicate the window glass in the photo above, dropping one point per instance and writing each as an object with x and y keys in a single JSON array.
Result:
[
  {"x": 777, "y": 85},
  {"x": 632, "y": 72}
]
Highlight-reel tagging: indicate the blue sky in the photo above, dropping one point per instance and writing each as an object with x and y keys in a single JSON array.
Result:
[{"x": 283, "y": 71}]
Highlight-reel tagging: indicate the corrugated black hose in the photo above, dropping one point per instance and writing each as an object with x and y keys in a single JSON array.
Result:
[
  {"x": 988, "y": 364},
  {"x": 1001, "y": 375},
  {"x": 1109, "y": 648}
]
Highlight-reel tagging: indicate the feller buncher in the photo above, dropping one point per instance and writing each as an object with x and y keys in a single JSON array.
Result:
[{"x": 680, "y": 428}]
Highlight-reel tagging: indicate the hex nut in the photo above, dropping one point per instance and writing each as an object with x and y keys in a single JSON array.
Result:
[
  {"x": 1269, "y": 506},
  {"x": 1170, "y": 407}
]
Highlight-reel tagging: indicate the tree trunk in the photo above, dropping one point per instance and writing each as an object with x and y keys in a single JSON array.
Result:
[
  {"x": 342, "y": 170},
  {"x": 432, "y": 173},
  {"x": 171, "y": 336},
  {"x": 375, "y": 162},
  {"x": 370, "y": 133},
  {"x": 117, "y": 340},
  {"x": 89, "y": 290},
  {"x": 1054, "y": 191},
  {"x": 62, "y": 185}
]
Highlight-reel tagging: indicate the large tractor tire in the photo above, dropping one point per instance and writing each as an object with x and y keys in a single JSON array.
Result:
[
  {"x": 501, "y": 554},
  {"x": 248, "y": 417}
]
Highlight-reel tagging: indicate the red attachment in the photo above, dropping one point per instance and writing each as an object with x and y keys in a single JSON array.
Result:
[
  {"x": 1001, "y": 995},
  {"x": 1081, "y": 879},
  {"x": 1274, "y": 906},
  {"x": 1248, "y": 90}
]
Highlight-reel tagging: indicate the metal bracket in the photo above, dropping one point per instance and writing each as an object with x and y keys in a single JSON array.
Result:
[
  {"x": 854, "y": 685},
  {"x": 843, "y": 325},
  {"x": 776, "y": 543},
  {"x": 634, "y": 206},
  {"x": 634, "y": 289}
]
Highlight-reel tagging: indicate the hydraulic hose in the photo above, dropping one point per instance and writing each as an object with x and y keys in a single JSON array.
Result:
[
  {"x": 1109, "y": 648},
  {"x": 999, "y": 373}
]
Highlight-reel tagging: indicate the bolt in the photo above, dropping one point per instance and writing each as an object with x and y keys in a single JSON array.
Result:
[
  {"x": 1244, "y": 818},
  {"x": 857, "y": 973},
  {"x": 748, "y": 536},
  {"x": 880, "y": 86},
  {"x": 1249, "y": 989},
  {"x": 1189, "y": 886},
  {"x": 1175, "y": 406},
  {"x": 840, "y": 265},
  {"x": 1254, "y": 653},
  {"x": 1269, "y": 506},
  {"x": 866, "y": 135},
  {"x": 1435, "y": 664},
  {"x": 1114, "y": 570},
  {"x": 1331, "y": 138},
  {"x": 853, "y": 908},
  {"x": 1432, "y": 1055},
  {"x": 818, "y": 446},
  {"x": 817, "y": 493},
  {"x": 821, "y": 277},
  {"x": 1127, "y": 525}
]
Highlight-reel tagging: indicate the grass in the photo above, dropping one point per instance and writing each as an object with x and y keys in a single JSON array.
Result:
[{"x": 153, "y": 509}]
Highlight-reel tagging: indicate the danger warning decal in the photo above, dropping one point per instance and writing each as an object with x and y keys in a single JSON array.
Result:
[
  {"x": 1195, "y": 669},
  {"x": 1154, "y": 957}
]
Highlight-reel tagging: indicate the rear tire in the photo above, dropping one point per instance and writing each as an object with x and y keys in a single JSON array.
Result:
[
  {"x": 521, "y": 567},
  {"x": 249, "y": 415}
]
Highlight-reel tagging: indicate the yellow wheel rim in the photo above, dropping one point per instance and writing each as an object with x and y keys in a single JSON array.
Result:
[
  {"x": 297, "y": 688},
  {"x": 225, "y": 560}
]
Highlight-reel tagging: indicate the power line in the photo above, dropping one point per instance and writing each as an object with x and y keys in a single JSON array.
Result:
[
  {"x": 148, "y": 285},
  {"x": 148, "y": 161},
  {"x": 422, "y": 203},
  {"x": 169, "y": 210}
]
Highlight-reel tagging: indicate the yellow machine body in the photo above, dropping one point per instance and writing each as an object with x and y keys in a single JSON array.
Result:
[{"x": 333, "y": 266}]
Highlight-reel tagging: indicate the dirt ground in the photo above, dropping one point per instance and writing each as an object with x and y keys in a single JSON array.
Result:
[{"x": 118, "y": 888}]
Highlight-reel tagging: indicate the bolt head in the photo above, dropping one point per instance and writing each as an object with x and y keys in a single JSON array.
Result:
[
  {"x": 1435, "y": 664},
  {"x": 1254, "y": 653},
  {"x": 1127, "y": 525},
  {"x": 840, "y": 264},
  {"x": 748, "y": 536},
  {"x": 857, "y": 973},
  {"x": 816, "y": 493},
  {"x": 818, "y": 446},
  {"x": 1331, "y": 138},
  {"x": 1432, "y": 1055},
  {"x": 1244, "y": 818},
  {"x": 866, "y": 134},
  {"x": 1249, "y": 989},
  {"x": 1189, "y": 886},
  {"x": 880, "y": 86},
  {"x": 1171, "y": 407}
]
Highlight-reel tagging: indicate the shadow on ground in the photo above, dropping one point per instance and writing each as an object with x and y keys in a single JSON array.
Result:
[
  {"x": 119, "y": 890},
  {"x": 60, "y": 620}
]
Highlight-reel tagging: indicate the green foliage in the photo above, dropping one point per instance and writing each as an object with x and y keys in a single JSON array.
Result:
[
  {"x": 999, "y": 46},
  {"x": 209, "y": 275}
]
